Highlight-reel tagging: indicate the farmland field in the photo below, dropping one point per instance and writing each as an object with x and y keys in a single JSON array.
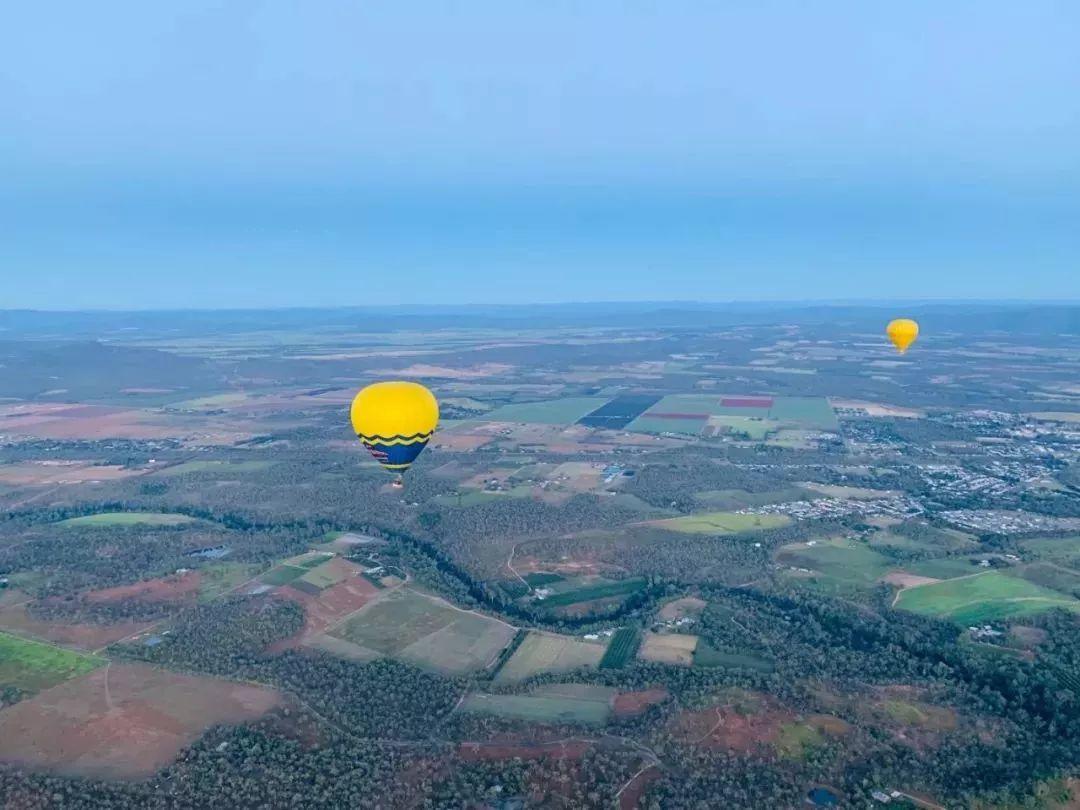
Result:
[
  {"x": 129, "y": 519},
  {"x": 552, "y": 703},
  {"x": 620, "y": 412},
  {"x": 598, "y": 590},
  {"x": 427, "y": 632},
  {"x": 755, "y": 415},
  {"x": 668, "y": 648},
  {"x": 706, "y": 656},
  {"x": 836, "y": 557},
  {"x": 731, "y": 499},
  {"x": 661, "y": 422},
  {"x": 551, "y": 412},
  {"x": 295, "y": 568},
  {"x": 547, "y": 652},
  {"x": 282, "y": 575},
  {"x": 215, "y": 466},
  {"x": 624, "y": 645},
  {"x": 722, "y": 523},
  {"x": 85, "y": 636},
  {"x": 749, "y": 427},
  {"x": 218, "y": 578},
  {"x": 329, "y": 573},
  {"x": 943, "y": 568},
  {"x": 1051, "y": 576},
  {"x": 31, "y": 666},
  {"x": 123, "y": 721},
  {"x": 981, "y": 598},
  {"x": 1063, "y": 550}
]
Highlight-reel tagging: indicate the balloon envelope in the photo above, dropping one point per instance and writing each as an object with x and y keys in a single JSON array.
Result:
[
  {"x": 902, "y": 332},
  {"x": 394, "y": 421}
]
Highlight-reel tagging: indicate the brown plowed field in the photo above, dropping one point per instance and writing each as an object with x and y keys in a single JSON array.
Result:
[
  {"x": 123, "y": 721},
  {"x": 627, "y": 704}
]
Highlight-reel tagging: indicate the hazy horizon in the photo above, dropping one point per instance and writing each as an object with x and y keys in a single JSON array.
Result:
[{"x": 271, "y": 156}]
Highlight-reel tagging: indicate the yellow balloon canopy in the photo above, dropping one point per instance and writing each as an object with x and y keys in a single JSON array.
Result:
[
  {"x": 902, "y": 332},
  {"x": 394, "y": 421}
]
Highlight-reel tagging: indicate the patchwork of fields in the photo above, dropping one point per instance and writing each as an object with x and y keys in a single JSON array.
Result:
[{"x": 426, "y": 631}]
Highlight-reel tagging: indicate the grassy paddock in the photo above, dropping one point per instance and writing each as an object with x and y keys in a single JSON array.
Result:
[
  {"x": 106, "y": 519},
  {"x": 31, "y": 666},
  {"x": 722, "y": 523},
  {"x": 981, "y": 598}
]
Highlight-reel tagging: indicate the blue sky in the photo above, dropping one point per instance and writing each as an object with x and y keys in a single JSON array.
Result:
[{"x": 277, "y": 153}]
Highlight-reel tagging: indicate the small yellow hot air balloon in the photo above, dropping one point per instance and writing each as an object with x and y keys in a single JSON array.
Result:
[
  {"x": 394, "y": 421},
  {"x": 902, "y": 332}
]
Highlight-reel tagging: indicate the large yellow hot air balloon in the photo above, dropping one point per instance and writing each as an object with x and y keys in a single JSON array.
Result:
[
  {"x": 394, "y": 421},
  {"x": 902, "y": 332}
]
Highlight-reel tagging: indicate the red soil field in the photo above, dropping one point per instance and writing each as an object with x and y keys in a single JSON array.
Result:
[
  {"x": 123, "y": 721},
  {"x": 177, "y": 588},
  {"x": 724, "y": 728},
  {"x": 747, "y": 402},
  {"x": 326, "y": 608},
  {"x": 475, "y": 751},
  {"x": 84, "y": 636},
  {"x": 630, "y": 797},
  {"x": 627, "y": 704}
]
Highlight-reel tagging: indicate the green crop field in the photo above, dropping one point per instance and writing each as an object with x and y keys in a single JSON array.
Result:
[
  {"x": 943, "y": 568},
  {"x": 813, "y": 413},
  {"x": 809, "y": 412},
  {"x": 1063, "y": 550},
  {"x": 427, "y": 632},
  {"x": 551, "y": 412},
  {"x": 554, "y": 703},
  {"x": 657, "y": 424},
  {"x": 706, "y": 656},
  {"x": 623, "y": 647},
  {"x": 598, "y": 590},
  {"x": 836, "y": 557},
  {"x": 282, "y": 575},
  {"x": 547, "y": 652},
  {"x": 1051, "y": 576},
  {"x": 474, "y": 497},
  {"x": 982, "y": 598},
  {"x": 218, "y": 578},
  {"x": 129, "y": 519},
  {"x": 722, "y": 523},
  {"x": 30, "y": 666}
]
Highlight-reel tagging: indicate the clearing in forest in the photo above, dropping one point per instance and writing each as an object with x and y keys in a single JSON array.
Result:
[
  {"x": 548, "y": 652},
  {"x": 668, "y": 648},
  {"x": 721, "y": 523},
  {"x": 985, "y": 597},
  {"x": 550, "y": 703},
  {"x": 107, "y": 519},
  {"x": 123, "y": 721}
]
